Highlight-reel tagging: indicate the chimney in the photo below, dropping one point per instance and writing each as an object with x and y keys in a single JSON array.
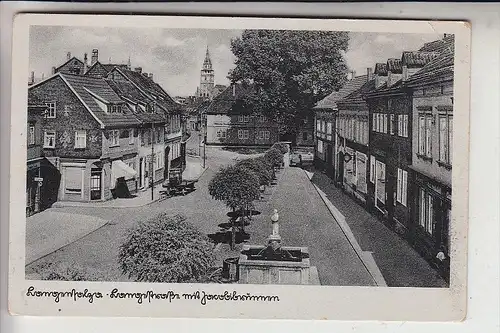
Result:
[
  {"x": 43, "y": 76},
  {"x": 32, "y": 77},
  {"x": 369, "y": 74},
  {"x": 68, "y": 55},
  {"x": 85, "y": 63},
  {"x": 95, "y": 56},
  {"x": 138, "y": 69},
  {"x": 151, "y": 76},
  {"x": 405, "y": 73},
  {"x": 53, "y": 70}
]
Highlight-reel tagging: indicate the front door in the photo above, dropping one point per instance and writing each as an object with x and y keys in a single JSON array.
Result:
[
  {"x": 96, "y": 184},
  {"x": 380, "y": 185}
]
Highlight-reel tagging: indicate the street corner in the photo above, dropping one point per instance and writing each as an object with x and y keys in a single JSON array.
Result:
[{"x": 48, "y": 231}]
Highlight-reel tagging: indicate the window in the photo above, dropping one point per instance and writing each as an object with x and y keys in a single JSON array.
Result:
[
  {"x": 361, "y": 172},
  {"x": 114, "y": 136},
  {"x": 403, "y": 125},
  {"x": 114, "y": 108},
  {"x": 31, "y": 135},
  {"x": 243, "y": 134},
  {"x": 80, "y": 139},
  {"x": 425, "y": 135},
  {"x": 51, "y": 110},
  {"x": 131, "y": 137},
  {"x": 221, "y": 134},
  {"x": 243, "y": 118},
  {"x": 318, "y": 125},
  {"x": 73, "y": 180},
  {"x": 402, "y": 186},
  {"x": 329, "y": 128},
  {"x": 372, "y": 169},
  {"x": 320, "y": 146},
  {"x": 426, "y": 218},
  {"x": 304, "y": 136},
  {"x": 49, "y": 139},
  {"x": 262, "y": 119},
  {"x": 374, "y": 122},
  {"x": 391, "y": 124},
  {"x": 445, "y": 138}
]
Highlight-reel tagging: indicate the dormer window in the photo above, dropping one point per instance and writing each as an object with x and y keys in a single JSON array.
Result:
[{"x": 115, "y": 108}]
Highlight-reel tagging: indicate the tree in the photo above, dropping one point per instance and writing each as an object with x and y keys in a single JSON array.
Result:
[
  {"x": 237, "y": 187},
  {"x": 290, "y": 71},
  {"x": 258, "y": 166},
  {"x": 166, "y": 248},
  {"x": 281, "y": 146},
  {"x": 274, "y": 156}
]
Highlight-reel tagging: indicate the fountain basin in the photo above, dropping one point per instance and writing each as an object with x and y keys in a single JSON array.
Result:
[{"x": 255, "y": 267}]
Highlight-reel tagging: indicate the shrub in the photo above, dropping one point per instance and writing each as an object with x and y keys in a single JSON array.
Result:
[
  {"x": 281, "y": 146},
  {"x": 166, "y": 248},
  {"x": 259, "y": 167},
  {"x": 274, "y": 156},
  {"x": 64, "y": 271}
]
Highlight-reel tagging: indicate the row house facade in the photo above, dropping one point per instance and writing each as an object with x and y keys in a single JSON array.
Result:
[
  {"x": 353, "y": 127},
  {"x": 432, "y": 158},
  {"x": 326, "y": 132},
  {"x": 227, "y": 124},
  {"x": 408, "y": 154}
]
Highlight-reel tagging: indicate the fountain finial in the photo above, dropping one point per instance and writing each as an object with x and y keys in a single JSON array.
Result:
[{"x": 275, "y": 238}]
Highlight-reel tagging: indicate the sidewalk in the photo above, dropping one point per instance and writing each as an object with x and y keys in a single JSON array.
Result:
[
  {"x": 49, "y": 231},
  {"x": 400, "y": 264},
  {"x": 305, "y": 220}
]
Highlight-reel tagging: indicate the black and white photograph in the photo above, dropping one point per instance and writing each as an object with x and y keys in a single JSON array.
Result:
[{"x": 218, "y": 158}]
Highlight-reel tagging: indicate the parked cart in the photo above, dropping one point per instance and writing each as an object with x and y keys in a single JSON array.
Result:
[{"x": 175, "y": 185}]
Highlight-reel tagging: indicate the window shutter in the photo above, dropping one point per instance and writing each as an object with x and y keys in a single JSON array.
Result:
[{"x": 398, "y": 193}]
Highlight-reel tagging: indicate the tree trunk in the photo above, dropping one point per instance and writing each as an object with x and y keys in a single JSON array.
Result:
[{"x": 233, "y": 232}]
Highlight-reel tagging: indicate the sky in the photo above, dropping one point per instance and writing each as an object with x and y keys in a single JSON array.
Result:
[{"x": 175, "y": 56}]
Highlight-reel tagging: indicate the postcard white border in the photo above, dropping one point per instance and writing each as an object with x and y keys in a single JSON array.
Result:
[{"x": 296, "y": 302}]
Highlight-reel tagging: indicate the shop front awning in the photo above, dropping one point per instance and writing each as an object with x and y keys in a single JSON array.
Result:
[{"x": 121, "y": 170}]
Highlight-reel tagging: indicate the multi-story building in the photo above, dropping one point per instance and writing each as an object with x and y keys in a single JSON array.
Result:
[
  {"x": 227, "y": 124},
  {"x": 432, "y": 156},
  {"x": 90, "y": 134},
  {"x": 391, "y": 138},
  {"x": 42, "y": 178},
  {"x": 325, "y": 135},
  {"x": 352, "y": 142}
]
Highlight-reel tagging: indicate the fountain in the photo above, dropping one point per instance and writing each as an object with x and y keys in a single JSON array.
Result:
[{"x": 274, "y": 263}]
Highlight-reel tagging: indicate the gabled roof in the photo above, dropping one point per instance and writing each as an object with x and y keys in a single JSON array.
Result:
[
  {"x": 357, "y": 96},
  {"x": 68, "y": 61},
  {"x": 126, "y": 90},
  {"x": 86, "y": 88},
  {"x": 441, "y": 67},
  {"x": 224, "y": 102},
  {"x": 330, "y": 101},
  {"x": 417, "y": 59},
  {"x": 153, "y": 89},
  {"x": 439, "y": 45},
  {"x": 394, "y": 66}
]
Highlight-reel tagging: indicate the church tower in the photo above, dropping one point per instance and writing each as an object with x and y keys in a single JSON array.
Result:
[{"x": 206, "y": 78}]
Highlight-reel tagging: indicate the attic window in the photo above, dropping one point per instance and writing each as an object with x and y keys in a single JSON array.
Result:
[{"x": 115, "y": 108}]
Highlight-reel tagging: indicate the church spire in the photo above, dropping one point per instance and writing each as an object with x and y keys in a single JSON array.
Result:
[{"x": 207, "y": 61}]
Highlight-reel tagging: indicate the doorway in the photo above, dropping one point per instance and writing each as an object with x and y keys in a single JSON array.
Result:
[
  {"x": 96, "y": 184},
  {"x": 380, "y": 186}
]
